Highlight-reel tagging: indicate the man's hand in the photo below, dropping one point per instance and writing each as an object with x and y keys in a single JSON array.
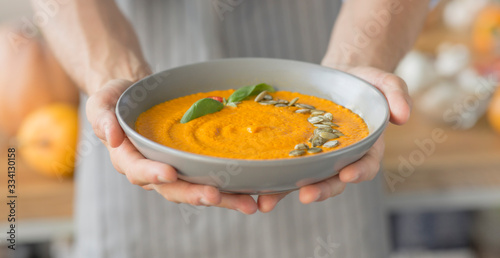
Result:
[
  {"x": 99, "y": 50},
  {"x": 96, "y": 44},
  {"x": 369, "y": 38},
  {"x": 147, "y": 173},
  {"x": 365, "y": 169},
  {"x": 163, "y": 178}
]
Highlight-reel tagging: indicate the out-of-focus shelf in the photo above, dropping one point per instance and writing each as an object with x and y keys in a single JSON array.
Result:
[{"x": 463, "y": 172}]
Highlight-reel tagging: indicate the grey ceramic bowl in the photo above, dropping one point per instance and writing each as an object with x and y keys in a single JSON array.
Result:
[{"x": 254, "y": 176}]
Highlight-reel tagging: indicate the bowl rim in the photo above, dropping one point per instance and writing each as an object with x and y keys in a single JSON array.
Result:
[{"x": 253, "y": 162}]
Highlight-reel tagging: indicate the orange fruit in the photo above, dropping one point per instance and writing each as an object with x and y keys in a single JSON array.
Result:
[
  {"x": 48, "y": 137},
  {"x": 486, "y": 30}
]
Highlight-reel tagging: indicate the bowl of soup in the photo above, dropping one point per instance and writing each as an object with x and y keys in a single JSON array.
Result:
[{"x": 309, "y": 123}]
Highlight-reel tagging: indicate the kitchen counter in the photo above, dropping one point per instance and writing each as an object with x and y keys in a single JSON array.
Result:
[{"x": 462, "y": 172}]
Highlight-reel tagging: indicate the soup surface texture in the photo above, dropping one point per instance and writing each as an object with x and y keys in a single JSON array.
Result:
[{"x": 248, "y": 131}]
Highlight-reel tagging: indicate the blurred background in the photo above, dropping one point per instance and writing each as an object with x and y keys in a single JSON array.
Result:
[{"x": 442, "y": 169}]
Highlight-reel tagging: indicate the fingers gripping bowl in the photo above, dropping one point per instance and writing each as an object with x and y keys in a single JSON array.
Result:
[{"x": 254, "y": 176}]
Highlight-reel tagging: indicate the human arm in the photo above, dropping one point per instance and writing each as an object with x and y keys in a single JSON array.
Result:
[
  {"x": 368, "y": 40},
  {"x": 98, "y": 48}
]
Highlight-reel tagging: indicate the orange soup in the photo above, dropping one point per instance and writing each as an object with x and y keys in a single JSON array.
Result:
[{"x": 252, "y": 130}]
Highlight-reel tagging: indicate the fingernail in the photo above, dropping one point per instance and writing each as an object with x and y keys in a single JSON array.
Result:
[
  {"x": 354, "y": 178},
  {"x": 107, "y": 133},
  {"x": 243, "y": 212},
  {"x": 148, "y": 187},
  {"x": 204, "y": 201},
  {"x": 163, "y": 180}
]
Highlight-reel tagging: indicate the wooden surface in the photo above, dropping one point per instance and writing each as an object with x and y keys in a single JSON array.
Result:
[
  {"x": 39, "y": 196},
  {"x": 466, "y": 161}
]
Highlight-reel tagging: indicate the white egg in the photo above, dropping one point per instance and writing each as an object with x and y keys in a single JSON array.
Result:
[
  {"x": 417, "y": 69},
  {"x": 451, "y": 59}
]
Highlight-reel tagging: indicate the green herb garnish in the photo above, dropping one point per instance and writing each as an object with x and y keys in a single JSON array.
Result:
[
  {"x": 244, "y": 92},
  {"x": 200, "y": 108},
  {"x": 208, "y": 105}
]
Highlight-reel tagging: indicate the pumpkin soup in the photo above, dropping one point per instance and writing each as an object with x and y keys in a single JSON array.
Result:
[{"x": 272, "y": 126}]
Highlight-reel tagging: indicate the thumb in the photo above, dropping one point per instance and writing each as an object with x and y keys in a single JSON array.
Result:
[
  {"x": 394, "y": 89},
  {"x": 101, "y": 112}
]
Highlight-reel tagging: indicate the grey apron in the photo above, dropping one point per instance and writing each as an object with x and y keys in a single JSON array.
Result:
[{"x": 117, "y": 219}]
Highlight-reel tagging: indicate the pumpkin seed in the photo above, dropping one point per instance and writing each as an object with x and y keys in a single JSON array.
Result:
[
  {"x": 339, "y": 133},
  {"x": 231, "y": 104},
  {"x": 314, "y": 150},
  {"x": 328, "y": 123},
  {"x": 293, "y": 101},
  {"x": 328, "y": 116},
  {"x": 317, "y": 112},
  {"x": 302, "y": 111},
  {"x": 300, "y": 105},
  {"x": 268, "y": 97},
  {"x": 268, "y": 102},
  {"x": 328, "y": 136},
  {"x": 281, "y": 105},
  {"x": 296, "y": 153},
  {"x": 315, "y": 119},
  {"x": 301, "y": 146},
  {"x": 261, "y": 96},
  {"x": 326, "y": 129},
  {"x": 322, "y": 126},
  {"x": 283, "y": 101},
  {"x": 318, "y": 141},
  {"x": 331, "y": 144}
]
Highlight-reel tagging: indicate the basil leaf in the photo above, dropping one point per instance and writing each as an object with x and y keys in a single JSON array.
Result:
[
  {"x": 200, "y": 108},
  {"x": 244, "y": 92}
]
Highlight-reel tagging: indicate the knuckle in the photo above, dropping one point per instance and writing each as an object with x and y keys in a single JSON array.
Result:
[
  {"x": 373, "y": 173},
  {"x": 97, "y": 130},
  {"x": 91, "y": 102},
  {"x": 132, "y": 179},
  {"x": 396, "y": 82},
  {"x": 334, "y": 190},
  {"x": 392, "y": 79},
  {"x": 341, "y": 189},
  {"x": 371, "y": 177},
  {"x": 98, "y": 125},
  {"x": 115, "y": 164},
  {"x": 376, "y": 160},
  {"x": 151, "y": 178},
  {"x": 170, "y": 197},
  {"x": 193, "y": 201}
]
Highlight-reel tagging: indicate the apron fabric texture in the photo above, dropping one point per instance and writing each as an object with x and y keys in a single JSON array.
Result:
[{"x": 115, "y": 219}]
